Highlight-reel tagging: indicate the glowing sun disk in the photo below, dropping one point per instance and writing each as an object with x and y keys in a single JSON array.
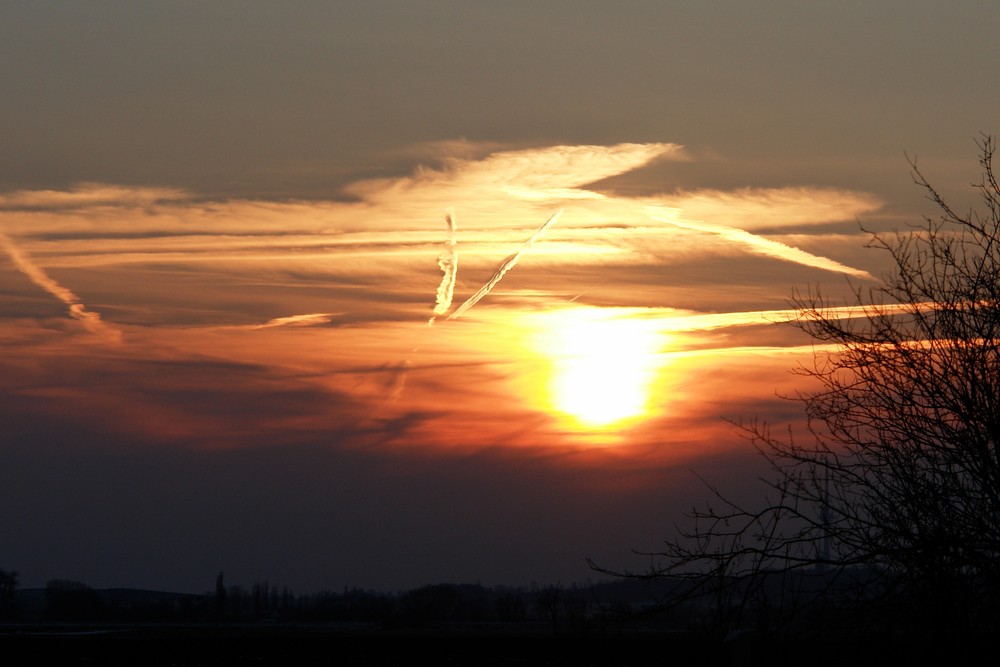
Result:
[{"x": 603, "y": 364}]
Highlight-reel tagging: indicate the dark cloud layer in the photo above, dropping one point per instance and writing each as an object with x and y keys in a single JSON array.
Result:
[{"x": 119, "y": 512}]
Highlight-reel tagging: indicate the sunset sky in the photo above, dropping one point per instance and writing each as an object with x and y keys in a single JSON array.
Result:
[{"x": 389, "y": 293}]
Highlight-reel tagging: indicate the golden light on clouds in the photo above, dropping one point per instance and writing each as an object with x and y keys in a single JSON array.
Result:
[{"x": 335, "y": 296}]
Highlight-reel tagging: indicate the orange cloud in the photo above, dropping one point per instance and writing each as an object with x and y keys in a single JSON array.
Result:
[{"x": 328, "y": 300}]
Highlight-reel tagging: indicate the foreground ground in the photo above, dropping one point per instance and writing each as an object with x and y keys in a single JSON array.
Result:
[{"x": 328, "y": 645}]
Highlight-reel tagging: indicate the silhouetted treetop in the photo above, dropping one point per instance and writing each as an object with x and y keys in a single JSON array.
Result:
[{"x": 893, "y": 499}]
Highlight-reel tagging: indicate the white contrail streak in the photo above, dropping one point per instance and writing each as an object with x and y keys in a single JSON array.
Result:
[
  {"x": 448, "y": 263},
  {"x": 765, "y": 246},
  {"x": 506, "y": 266},
  {"x": 90, "y": 320},
  {"x": 307, "y": 320}
]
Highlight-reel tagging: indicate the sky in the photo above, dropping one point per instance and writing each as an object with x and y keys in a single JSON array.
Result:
[{"x": 385, "y": 294}]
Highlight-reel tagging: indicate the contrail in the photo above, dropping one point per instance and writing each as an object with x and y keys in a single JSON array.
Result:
[
  {"x": 308, "y": 320},
  {"x": 448, "y": 262},
  {"x": 765, "y": 246},
  {"x": 507, "y": 265},
  {"x": 398, "y": 380},
  {"x": 90, "y": 320}
]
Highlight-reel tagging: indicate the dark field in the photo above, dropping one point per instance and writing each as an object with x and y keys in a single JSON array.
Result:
[{"x": 325, "y": 645}]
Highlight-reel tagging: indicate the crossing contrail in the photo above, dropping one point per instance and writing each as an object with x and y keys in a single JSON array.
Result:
[
  {"x": 448, "y": 262},
  {"x": 90, "y": 320},
  {"x": 506, "y": 266}
]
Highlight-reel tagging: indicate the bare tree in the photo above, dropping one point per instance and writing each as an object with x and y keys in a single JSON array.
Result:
[{"x": 891, "y": 505}]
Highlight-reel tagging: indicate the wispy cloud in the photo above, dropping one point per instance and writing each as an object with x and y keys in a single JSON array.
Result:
[
  {"x": 339, "y": 255},
  {"x": 535, "y": 173},
  {"x": 186, "y": 274},
  {"x": 307, "y": 320},
  {"x": 756, "y": 209},
  {"x": 90, "y": 320},
  {"x": 88, "y": 195}
]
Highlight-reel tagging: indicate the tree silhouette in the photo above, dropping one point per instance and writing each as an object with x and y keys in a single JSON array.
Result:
[
  {"x": 69, "y": 600},
  {"x": 8, "y": 590},
  {"x": 891, "y": 504},
  {"x": 221, "y": 597}
]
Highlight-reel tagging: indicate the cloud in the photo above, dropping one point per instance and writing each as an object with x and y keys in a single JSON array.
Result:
[
  {"x": 88, "y": 195},
  {"x": 307, "y": 320},
  {"x": 195, "y": 282},
  {"x": 767, "y": 208},
  {"x": 389, "y": 232},
  {"x": 555, "y": 172},
  {"x": 90, "y": 320}
]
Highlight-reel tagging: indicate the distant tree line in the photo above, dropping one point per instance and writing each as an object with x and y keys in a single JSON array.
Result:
[
  {"x": 623, "y": 604},
  {"x": 555, "y": 608}
]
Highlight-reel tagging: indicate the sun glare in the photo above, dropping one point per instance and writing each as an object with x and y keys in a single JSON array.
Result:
[{"x": 603, "y": 364}]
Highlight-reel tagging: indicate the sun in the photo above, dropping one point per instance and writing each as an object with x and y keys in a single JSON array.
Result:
[{"x": 603, "y": 364}]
